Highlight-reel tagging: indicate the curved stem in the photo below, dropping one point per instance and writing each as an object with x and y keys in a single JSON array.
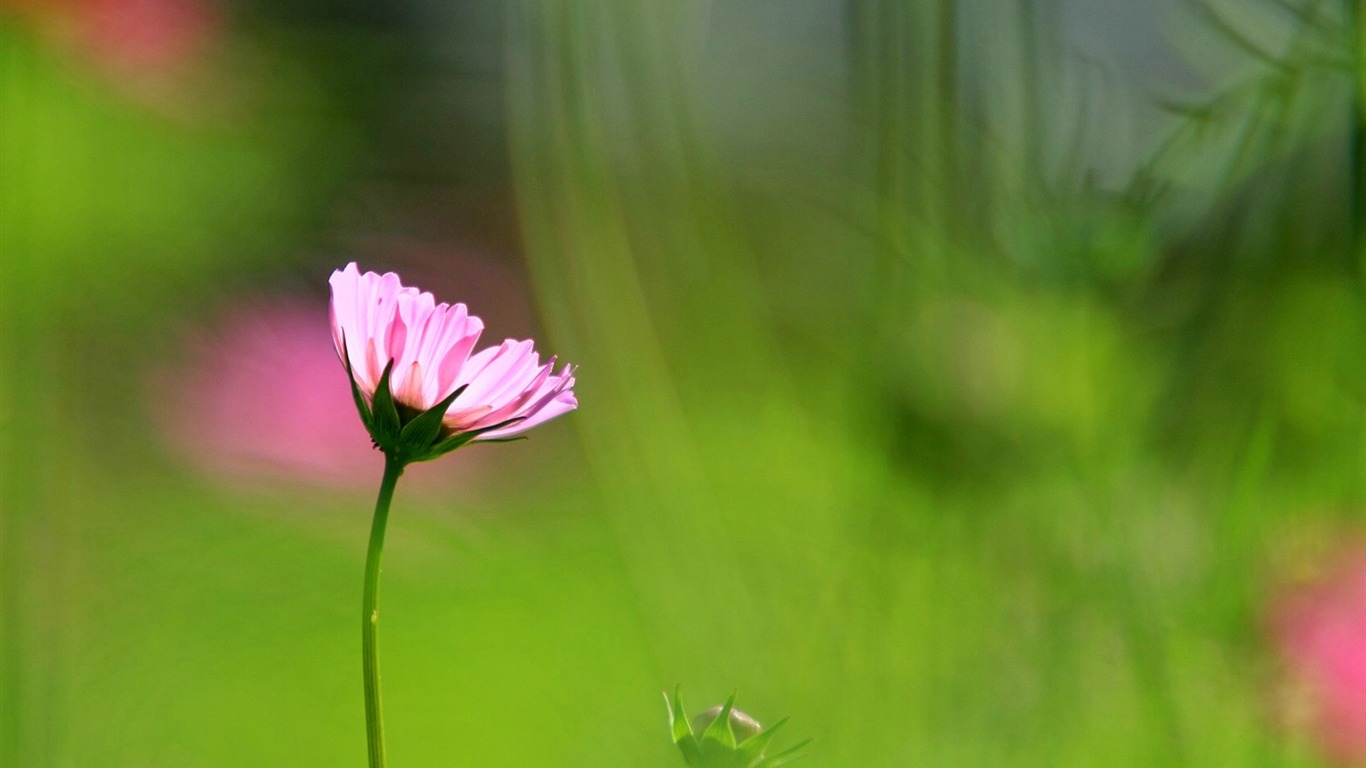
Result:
[{"x": 374, "y": 725}]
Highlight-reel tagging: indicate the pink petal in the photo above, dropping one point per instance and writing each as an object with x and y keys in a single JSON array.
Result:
[{"x": 375, "y": 319}]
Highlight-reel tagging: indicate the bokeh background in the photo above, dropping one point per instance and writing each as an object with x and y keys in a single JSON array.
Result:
[{"x": 978, "y": 383}]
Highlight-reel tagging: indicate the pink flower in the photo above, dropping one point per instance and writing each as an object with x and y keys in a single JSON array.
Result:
[
  {"x": 146, "y": 35},
  {"x": 1319, "y": 630},
  {"x": 385, "y": 330},
  {"x": 129, "y": 37}
]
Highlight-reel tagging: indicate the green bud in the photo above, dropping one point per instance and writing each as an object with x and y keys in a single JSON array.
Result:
[
  {"x": 725, "y": 737},
  {"x": 741, "y": 724}
]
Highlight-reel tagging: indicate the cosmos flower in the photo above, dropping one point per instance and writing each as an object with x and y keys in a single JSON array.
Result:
[
  {"x": 421, "y": 392},
  {"x": 420, "y": 388}
]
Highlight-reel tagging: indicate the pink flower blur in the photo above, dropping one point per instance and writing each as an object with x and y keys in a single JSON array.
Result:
[
  {"x": 133, "y": 37},
  {"x": 146, "y": 35},
  {"x": 376, "y": 319},
  {"x": 1319, "y": 631},
  {"x": 259, "y": 399}
]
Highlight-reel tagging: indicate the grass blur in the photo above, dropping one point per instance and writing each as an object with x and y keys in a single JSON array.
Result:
[{"x": 917, "y": 403}]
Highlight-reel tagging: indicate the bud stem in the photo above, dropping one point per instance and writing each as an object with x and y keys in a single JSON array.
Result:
[{"x": 374, "y": 725}]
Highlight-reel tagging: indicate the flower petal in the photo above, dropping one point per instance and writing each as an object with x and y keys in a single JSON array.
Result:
[{"x": 379, "y": 323}]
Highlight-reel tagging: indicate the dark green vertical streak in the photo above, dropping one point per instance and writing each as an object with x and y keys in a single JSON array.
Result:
[
  {"x": 31, "y": 527},
  {"x": 947, "y": 104},
  {"x": 21, "y": 429},
  {"x": 11, "y": 459},
  {"x": 1031, "y": 75},
  {"x": 573, "y": 110},
  {"x": 889, "y": 105},
  {"x": 878, "y": 71},
  {"x": 882, "y": 33},
  {"x": 1356, "y": 28}
]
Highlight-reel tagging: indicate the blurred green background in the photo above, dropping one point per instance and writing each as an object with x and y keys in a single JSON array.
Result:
[{"x": 964, "y": 380}]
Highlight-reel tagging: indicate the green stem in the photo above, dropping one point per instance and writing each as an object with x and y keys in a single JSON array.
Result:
[{"x": 374, "y": 725}]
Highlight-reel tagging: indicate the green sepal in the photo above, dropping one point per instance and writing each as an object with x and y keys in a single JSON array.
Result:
[
  {"x": 678, "y": 717},
  {"x": 719, "y": 731},
  {"x": 681, "y": 730},
  {"x": 361, "y": 406},
  {"x": 419, "y": 439},
  {"x": 788, "y": 755},
  {"x": 419, "y": 434},
  {"x": 460, "y": 439},
  {"x": 755, "y": 745},
  {"x": 385, "y": 413},
  {"x": 717, "y": 743}
]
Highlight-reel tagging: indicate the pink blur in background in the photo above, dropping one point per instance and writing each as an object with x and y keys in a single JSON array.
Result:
[{"x": 1318, "y": 630}]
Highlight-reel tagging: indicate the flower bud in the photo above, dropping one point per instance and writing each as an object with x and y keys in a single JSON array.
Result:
[
  {"x": 741, "y": 724},
  {"x": 725, "y": 737}
]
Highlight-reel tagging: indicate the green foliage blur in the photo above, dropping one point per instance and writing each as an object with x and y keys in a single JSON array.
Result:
[{"x": 917, "y": 404}]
